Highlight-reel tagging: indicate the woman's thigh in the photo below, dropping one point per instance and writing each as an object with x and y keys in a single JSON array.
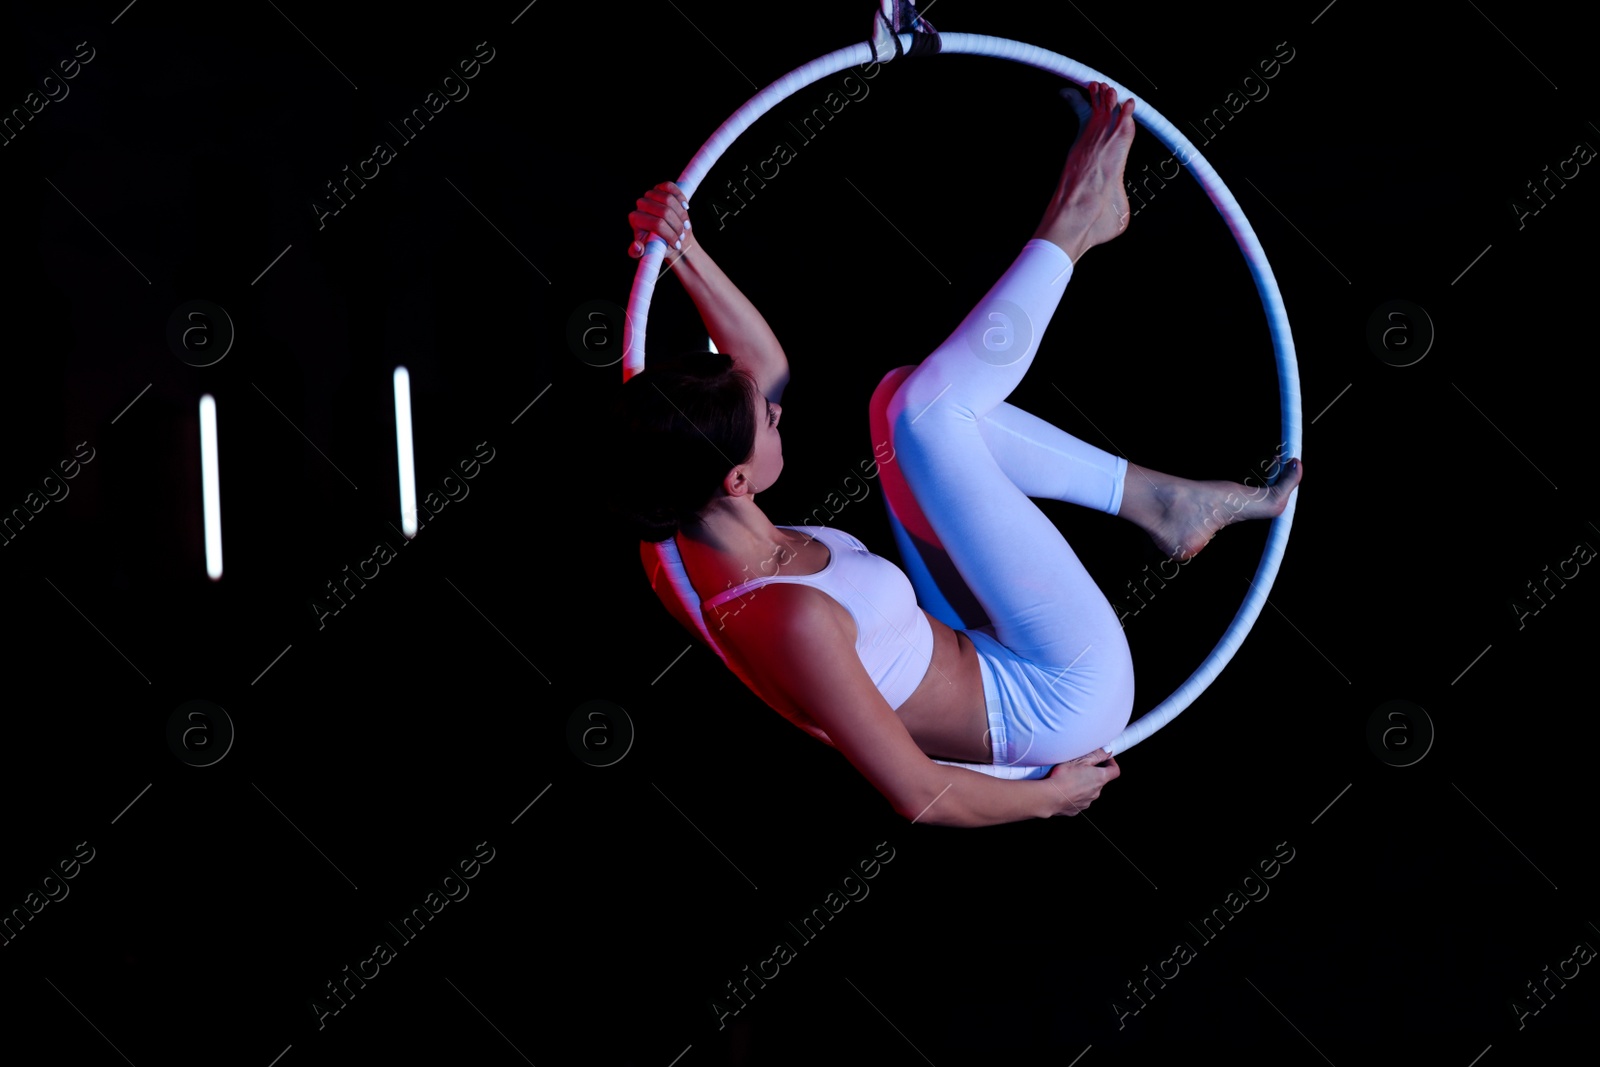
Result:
[
  {"x": 951, "y": 494},
  {"x": 940, "y": 588},
  {"x": 1055, "y": 645}
]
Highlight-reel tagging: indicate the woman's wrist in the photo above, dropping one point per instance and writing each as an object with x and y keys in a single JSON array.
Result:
[
  {"x": 687, "y": 260},
  {"x": 1054, "y": 799}
]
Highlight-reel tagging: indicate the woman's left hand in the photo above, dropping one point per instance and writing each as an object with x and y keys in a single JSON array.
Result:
[
  {"x": 662, "y": 212},
  {"x": 1082, "y": 779}
]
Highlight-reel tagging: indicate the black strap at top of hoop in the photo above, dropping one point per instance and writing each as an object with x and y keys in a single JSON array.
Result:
[{"x": 924, "y": 42}]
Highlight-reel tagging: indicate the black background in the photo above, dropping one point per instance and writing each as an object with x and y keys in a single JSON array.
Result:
[{"x": 428, "y": 715}]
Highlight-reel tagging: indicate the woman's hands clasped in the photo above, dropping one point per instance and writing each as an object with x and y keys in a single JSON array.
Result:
[
  {"x": 1079, "y": 781},
  {"x": 662, "y": 212}
]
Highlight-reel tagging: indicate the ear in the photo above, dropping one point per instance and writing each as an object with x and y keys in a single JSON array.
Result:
[{"x": 737, "y": 482}]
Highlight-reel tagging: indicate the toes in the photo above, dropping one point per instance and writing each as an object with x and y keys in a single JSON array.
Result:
[{"x": 1288, "y": 484}]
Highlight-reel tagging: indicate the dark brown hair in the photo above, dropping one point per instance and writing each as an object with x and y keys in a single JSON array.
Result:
[{"x": 683, "y": 423}]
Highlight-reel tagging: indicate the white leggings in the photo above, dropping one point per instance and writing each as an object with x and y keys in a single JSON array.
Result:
[{"x": 1058, "y": 676}]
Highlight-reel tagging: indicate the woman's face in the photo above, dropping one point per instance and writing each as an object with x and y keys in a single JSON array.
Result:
[{"x": 766, "y": 459}]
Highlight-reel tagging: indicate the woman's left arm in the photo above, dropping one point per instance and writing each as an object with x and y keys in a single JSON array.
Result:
[{"x": 735, "y": 326}]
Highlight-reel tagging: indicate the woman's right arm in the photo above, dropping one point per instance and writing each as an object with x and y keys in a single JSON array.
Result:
[
  {"x": 792, "y": 640},
  {"x": 734, "y": 324}
]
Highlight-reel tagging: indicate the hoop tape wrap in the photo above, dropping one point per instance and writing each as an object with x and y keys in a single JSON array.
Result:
[{"x": 665, "y": 553}]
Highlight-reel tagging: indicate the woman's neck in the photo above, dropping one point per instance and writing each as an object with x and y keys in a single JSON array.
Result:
[{"x": 738, "y": 530}]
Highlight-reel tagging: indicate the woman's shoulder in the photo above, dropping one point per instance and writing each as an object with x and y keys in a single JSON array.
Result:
[
  {"x": 773, "y": 612},
  {"x": 783, "y": 627},
  {"x": 783, "y": 604}
]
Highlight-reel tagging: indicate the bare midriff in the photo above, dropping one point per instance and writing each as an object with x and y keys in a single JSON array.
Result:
[{"x": 946, "y": 715}]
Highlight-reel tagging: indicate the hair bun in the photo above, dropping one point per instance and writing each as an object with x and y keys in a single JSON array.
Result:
[{"x": 659, "y": 524}]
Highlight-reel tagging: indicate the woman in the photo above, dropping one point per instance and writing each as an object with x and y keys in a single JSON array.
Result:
[{"x": 828, "y": 634}]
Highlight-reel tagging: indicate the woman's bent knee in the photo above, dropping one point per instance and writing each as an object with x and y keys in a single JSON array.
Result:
[
  {"x": 899, "y": 404},
  {"x": 883, "y": 395}
]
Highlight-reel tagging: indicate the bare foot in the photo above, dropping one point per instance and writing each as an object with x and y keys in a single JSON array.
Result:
[
  {"x": 1181, "y": 516},
  {"x": 1090, "y": 206}
]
